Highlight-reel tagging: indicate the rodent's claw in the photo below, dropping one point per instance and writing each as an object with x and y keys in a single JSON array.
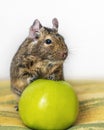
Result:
[{"x": 16, "y": 108}]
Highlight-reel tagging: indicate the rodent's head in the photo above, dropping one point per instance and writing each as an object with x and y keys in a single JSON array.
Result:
[{"x": 47, "y": 42}]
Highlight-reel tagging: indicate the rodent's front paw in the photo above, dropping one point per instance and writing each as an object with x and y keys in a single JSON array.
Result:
[
  {"x": 51, "y": 77},
  {"x": 31, "y": 79}
]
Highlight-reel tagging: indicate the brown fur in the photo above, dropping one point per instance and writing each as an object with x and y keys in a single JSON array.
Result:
[{"x": 35, "y": 59}]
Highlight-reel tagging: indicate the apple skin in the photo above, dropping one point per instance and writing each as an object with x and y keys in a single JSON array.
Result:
[{"x": 48, "y": 105}]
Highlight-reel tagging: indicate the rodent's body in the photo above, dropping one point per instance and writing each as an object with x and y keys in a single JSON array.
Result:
[{"x": 41, "y": 55}]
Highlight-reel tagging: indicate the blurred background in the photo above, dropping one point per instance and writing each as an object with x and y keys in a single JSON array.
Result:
[{"x": 81, "y": 22}]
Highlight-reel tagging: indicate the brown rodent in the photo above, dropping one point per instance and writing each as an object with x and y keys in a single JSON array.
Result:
[{"x": 41, "y": 55}]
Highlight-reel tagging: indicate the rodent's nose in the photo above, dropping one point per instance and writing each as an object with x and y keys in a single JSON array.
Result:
[{"x": 64, "y": 55}]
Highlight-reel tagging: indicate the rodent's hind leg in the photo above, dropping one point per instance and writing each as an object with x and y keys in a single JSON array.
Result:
[
  {"x": 17, "y": 91},
  {"x": 18, "y": 86}
]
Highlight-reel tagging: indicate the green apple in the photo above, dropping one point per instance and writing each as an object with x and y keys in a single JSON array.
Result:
[{"x": 48, "y": 105}]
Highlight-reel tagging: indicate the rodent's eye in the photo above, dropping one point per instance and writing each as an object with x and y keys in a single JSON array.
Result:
[{"x": 48, "y": 41}]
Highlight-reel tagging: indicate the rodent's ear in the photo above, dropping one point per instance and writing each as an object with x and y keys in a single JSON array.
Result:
[
  {"x": 55, "y": 24},
  {"x": 34, "y": 29}
]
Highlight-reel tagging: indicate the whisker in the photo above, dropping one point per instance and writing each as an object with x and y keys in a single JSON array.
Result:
[{"x": 73, "y": 51}]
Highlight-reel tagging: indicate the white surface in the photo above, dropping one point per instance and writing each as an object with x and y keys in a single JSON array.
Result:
[{"x": 81, "y": 23}]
